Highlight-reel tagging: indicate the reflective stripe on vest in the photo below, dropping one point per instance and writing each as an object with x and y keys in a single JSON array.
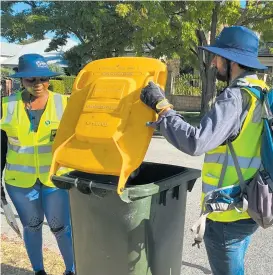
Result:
[
  {"x": 27, "y": 169},
  {"x": 44, "y": 149},
  {"x": 21, "y": 168},
  {"x": 59, "y": 105},
  {"x": 21, "y": 149},
  {"x": 12, "y": 102},
  {"x": 244, "y": 162},
  {"x": 44, "y": 169},
  {"x": 30, "y": 149}
]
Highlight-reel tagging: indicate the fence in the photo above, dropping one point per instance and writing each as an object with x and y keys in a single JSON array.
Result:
[
  {"x": 188, "y": 85},
  {"x": 191, "y": 85},
  {"x": 186, "y": 91}
]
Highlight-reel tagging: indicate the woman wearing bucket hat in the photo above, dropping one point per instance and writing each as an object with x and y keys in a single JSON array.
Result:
[
  {"x": 30, "y": 119},
  {"x": 231, "y": 128}
]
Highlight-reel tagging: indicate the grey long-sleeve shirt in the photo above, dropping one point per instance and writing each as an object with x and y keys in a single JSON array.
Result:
[{"x": 222, "y": 122}]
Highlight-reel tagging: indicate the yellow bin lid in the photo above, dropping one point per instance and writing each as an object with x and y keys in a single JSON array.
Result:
[{"x": 103, "y": 129}]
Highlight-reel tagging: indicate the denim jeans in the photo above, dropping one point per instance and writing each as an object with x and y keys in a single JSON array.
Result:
[
  {"x": 226, "y": 245},
  {"x": 32, "y": 204}
]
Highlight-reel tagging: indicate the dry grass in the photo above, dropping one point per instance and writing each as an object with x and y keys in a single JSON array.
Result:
[{"x": 14, "y": 259}]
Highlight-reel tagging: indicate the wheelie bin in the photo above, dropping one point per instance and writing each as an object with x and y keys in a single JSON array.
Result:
[
  {"x": 127, "y": 215},
  {"x": 137, "y": 233}
]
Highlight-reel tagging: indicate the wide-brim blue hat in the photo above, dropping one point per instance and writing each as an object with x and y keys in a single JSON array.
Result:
[
  {"x": 238, "y": 44},
  {"x": 33, "y": 65}
]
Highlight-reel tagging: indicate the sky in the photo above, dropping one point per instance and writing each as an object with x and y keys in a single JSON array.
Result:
[
  {"x": 21, "y": 6},
  {"x": 243, "y": 4}
]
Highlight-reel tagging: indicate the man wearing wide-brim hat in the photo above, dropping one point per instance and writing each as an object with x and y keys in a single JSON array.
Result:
[
  {"x": 29, "y": 123},
  {"x": 233, "y": 124}
]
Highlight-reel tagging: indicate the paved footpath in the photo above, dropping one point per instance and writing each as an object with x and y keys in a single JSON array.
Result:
[{"x": 259, "y": 258}]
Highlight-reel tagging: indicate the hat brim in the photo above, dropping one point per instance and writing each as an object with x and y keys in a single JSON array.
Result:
[
  {"x": 34, "y": 74},
  {"x": 237, "y": 56}
]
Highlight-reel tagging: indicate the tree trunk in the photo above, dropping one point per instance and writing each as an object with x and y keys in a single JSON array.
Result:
[
  {"x": 202, "y": 71},
  {"x": 208, "y": 88},
  {"x": 211, "y": 89},
  {"x": 206, "y": 72}
]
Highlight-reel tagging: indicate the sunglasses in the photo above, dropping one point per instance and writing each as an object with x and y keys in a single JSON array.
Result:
[{"x": 35, "y": 79}]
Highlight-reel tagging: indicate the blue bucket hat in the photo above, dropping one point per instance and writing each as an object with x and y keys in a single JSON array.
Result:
[
  {"x": 238, "y": 44},
  {"x": 33, "y": 65}
]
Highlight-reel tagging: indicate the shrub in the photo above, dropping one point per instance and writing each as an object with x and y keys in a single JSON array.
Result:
[
  {"x": 57, "y": 86},
  {"x": 68, "y": 83}
]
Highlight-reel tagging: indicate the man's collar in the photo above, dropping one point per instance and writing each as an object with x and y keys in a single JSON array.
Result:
[{"x": 241, "y": 79}]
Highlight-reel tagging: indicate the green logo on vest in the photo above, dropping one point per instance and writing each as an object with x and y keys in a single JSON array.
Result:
[{"x": 47, "y": 122}]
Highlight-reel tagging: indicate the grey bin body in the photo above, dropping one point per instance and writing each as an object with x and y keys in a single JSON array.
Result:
[{"x": 140, "y": 233}]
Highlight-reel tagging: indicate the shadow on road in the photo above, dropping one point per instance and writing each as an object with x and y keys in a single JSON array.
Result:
[{"x": 205, "y": 270}]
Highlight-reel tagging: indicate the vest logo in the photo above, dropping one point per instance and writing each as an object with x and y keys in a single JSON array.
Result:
[{"x": 47, "y": 122}]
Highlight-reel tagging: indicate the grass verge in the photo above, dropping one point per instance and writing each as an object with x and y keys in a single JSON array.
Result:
[{"x": 14, "y": 259}]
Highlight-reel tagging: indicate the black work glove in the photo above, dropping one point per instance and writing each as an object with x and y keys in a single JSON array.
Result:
[{"x": 153, "y": 96}]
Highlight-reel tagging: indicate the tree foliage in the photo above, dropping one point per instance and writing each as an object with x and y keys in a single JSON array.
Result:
[
  {"x": 178, "y": 28},
  {"x": 56, "y": 68},
  {"x": 100, "y": 30},
  {"x": 5, "y": 72},
  {"x": 165, "y": 28}
]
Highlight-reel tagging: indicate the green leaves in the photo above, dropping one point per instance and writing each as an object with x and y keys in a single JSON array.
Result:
[
  {"x": 107, "y": 28},
  {"x": 100, "y": 30},
  {"x": 6, "y": 72}
]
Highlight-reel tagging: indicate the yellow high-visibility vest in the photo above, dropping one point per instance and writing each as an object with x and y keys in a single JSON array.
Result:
[
  {"x": 29, "y": 153},
  {"x": 247, "y": 149}
]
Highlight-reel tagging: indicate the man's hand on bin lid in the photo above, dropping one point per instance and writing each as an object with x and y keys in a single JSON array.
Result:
[{"x": 153, "y": 96}]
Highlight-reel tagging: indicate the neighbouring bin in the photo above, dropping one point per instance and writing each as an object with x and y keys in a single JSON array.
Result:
[{"x": 139, "y": 233}]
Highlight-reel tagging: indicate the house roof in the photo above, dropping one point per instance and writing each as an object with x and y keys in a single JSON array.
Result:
[{"x": 39, "y": 47}]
